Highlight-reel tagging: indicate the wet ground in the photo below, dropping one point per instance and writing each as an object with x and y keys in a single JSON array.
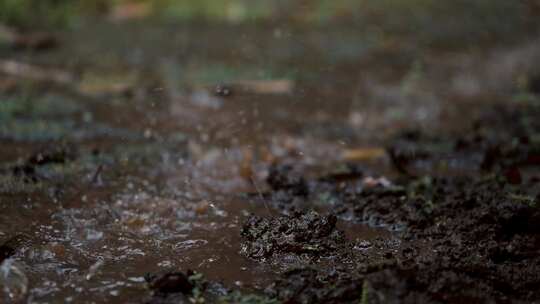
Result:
[{"x": 279, "y": 163}]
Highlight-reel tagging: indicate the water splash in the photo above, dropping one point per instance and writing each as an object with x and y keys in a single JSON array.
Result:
[{"x": 13, "y": 280}]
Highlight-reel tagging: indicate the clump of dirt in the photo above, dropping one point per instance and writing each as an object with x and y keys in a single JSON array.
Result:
[
  {"x": 492, "y": 144},
  {"x": 464, "y": 217},
  {"x": 468, "y": 241},
  {"x": 175, "y": 287},
  {"x": 55, "y": 154},
  {"x": 172, "y": 282},
  {"x": 306, "y": 234},
  {"x": 6, "y": 250},
  {"x": 461, "y": 240},
  {"x": 286, "y": 177},
  {"x": 11, "y": 246},
  {"x": 289, "y": 188},
  {"x": 321, "y": 264},
  {"x": 52, "y": 167}
]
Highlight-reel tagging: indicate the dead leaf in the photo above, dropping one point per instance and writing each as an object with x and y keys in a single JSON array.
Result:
[
  {"x": 130, "y": 10},
  {"x": 277, "y": 86},
  {"x": 363, "y": 154},
  {"x": 246, "y": 170},
  {"x": 98, "y": 84},
  {"x": 202, "y": 207}
]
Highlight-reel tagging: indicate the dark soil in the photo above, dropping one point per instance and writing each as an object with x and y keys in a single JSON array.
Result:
[
  {"x": 300, "y": 234},
  {"x": 467, "y": 237}
]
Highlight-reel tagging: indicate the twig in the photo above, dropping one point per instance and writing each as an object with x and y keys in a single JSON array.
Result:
[
  {"x": 96, "y": 178},
  {"x": 260, "y": 195}
]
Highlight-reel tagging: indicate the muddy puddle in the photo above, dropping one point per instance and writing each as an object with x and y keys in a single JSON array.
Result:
[{"x": 167, "y": 139}]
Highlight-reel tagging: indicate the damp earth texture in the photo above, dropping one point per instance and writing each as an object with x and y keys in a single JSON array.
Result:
[{"x": 354, "y": 152}]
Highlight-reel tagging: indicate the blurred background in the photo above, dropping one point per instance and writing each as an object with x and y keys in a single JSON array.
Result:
[
  {"x": 470, "y": 20},
  {"x": 485, "y": 15},
  {"x": 382, "y": 62}
]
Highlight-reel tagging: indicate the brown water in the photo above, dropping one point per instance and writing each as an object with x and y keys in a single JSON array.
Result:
[{"x": 176, "y": 159}]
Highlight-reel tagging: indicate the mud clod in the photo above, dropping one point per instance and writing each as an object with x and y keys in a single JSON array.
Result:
[
  {"x": 461, "y": 235},
  {"x": 172, "y": 282},
  {"x": 12, "y": 245},
  {"x": 285, "y": 177},
  {"x": 6, "y": 251},
  {"x": 307, "y": 234},
  {"x": 60, "y": 154}
]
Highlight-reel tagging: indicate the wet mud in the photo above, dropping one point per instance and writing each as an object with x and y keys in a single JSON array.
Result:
[{"x": 168, "y": 170}]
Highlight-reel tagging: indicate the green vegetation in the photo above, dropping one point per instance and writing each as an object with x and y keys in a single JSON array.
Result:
[
  {"x": 27, "y": 13},
  {"x": 365, "y": 292},
  {"x": 424, "y": 17}
]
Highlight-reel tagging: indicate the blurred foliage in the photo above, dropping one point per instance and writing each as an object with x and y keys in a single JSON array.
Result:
[
  {"x": 447, "y": 19},
  {"x": 27, "y": 13},
  {"x": 229, "y": 10}
]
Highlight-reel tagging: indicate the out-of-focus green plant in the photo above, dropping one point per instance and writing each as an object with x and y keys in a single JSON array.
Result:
[
  {"x": 430, "y": 17},
  {"x": 224, "y": 10},
  {"x": 49, "y": 13},
  {"x": 28, "y": 13}
]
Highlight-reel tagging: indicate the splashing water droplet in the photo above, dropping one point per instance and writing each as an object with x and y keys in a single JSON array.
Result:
[
  {"x": 13, "y": 280},
  {"x": 93, "y": 270}
]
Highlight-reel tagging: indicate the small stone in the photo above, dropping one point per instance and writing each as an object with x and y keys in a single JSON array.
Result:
[
  {"x": 222, "y": 90},
  {"x": 172, "y": 282}
]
